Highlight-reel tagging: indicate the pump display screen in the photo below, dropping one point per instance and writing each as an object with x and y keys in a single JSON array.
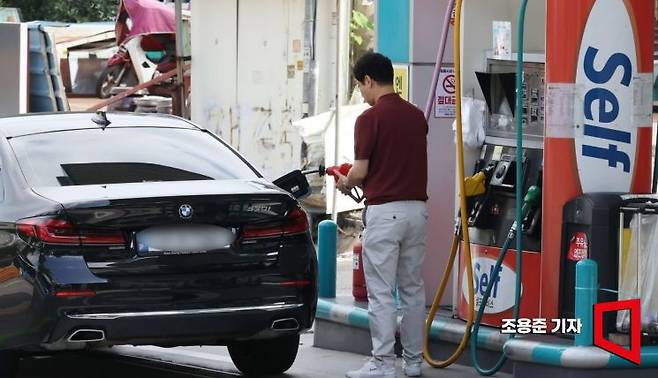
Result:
[{"x": 498, "y": 87}]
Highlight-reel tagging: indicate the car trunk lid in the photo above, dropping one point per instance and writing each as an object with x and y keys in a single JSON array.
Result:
[{"x": 175, "y": 227}]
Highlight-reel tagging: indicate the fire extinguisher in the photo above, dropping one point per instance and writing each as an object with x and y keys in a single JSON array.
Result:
[{"x": 359, "y": 290}]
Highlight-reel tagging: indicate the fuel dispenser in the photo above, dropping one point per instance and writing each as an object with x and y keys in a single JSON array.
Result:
[
  {"x": 492, "y": 213},
  {"x": 586, "y": 123}
]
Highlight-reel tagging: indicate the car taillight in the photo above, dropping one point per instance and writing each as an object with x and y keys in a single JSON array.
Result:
[
  {"x": 60, "y": 231},
  {"x": 75, "y": 293},
  {"x": 296, "y": 222},
  {"x": 295, "y": 283}
]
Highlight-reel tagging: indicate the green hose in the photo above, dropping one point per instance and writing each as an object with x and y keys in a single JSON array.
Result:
[
  {"x": 519, "y": 154},
  {"x": 532, "y": 200},
  {"x": 519, "y": 210}
]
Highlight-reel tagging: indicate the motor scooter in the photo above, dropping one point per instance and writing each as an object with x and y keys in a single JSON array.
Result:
[{"x": 146, "y": 36}]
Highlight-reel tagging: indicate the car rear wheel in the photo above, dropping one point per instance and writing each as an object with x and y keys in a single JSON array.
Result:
[
  {"x": 264, "y": 357},
  {"x": 8, "y": 363}
]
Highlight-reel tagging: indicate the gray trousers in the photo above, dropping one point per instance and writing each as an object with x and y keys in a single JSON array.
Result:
[{"x": 393, "y": 251}]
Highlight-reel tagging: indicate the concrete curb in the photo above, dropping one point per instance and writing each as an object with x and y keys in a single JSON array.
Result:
[
  {"x": 518, "y": 349},
  {"x": 450, "y": 330},
  {"x": 575, "y": 357}
]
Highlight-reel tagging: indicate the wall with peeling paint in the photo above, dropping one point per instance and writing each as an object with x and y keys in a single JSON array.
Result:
[{"x": 247, "y": 77}]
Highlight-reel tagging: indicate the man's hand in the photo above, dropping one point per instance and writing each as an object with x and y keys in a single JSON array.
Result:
[
  {"x": 343, "y": 185},
  {"x": 357, "y": 174},
  {"x": 355, "y": 177}
]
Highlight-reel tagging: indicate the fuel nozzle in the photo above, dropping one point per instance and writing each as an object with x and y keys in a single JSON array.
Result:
[
  {"x": 344, "y": 169},
  {"x": 531, "y": 211},
  {"x": 532, "y": 200},
  {"x": 320, "y": 170},
  {"x": 477, "y": 184}
]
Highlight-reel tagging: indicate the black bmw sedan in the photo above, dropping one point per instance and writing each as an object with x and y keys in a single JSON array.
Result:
[{"x": 146, "y": 229}]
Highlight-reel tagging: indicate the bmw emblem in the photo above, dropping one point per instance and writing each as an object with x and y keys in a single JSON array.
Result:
[{"x": 185, "y": 211}]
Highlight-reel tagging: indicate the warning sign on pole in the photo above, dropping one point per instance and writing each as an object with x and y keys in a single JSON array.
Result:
[{"x": 444, "y": 102}]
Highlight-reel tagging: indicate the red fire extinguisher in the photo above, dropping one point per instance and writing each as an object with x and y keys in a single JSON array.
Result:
[{"x": 359, "y": 290}]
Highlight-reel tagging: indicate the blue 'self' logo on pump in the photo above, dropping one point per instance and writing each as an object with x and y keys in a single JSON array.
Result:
[
  {"x": 607, "y": 115},
  {"x": 481, "y": 281},
  {"x": 503, "y": 286}
]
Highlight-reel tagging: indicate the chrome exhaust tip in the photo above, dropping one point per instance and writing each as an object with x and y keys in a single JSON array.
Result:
[
  {"x": 86, "y": 336},
  {"x": 287, "y": 324}
]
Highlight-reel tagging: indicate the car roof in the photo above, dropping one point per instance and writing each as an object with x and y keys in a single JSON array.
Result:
[{"x": 36, "y": 123}]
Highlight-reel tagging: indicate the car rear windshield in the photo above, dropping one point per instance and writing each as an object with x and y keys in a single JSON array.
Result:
[{"x": 126, "y": 155}]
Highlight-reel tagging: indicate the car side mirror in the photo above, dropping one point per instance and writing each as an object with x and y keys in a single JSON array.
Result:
[{"x": 294, "y": 183}]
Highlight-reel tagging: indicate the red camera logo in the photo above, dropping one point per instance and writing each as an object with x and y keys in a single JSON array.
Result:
[{"x": 633, "y": 354}]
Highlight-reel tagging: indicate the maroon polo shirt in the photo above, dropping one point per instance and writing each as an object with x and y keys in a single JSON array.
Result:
[{"x": 392, "y": 136}]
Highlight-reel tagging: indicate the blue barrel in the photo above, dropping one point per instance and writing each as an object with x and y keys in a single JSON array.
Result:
[
  {"x": 586, "y": 291},
  {"x": 327, "y": 235}
]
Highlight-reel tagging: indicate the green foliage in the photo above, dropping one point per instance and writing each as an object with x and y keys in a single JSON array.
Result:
[
  {"x": 361, "y": 35},
  {"x": 65, "y": 10},
  {"x": 359, "y": 26}
]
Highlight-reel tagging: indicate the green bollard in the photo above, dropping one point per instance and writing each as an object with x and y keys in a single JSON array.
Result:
[
  {"x": 587, "y": 283},
  {"x": 327, "y": 235}
]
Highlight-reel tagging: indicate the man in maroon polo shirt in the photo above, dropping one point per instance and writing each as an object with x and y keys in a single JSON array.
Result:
[{"x": 390, "y": 164}]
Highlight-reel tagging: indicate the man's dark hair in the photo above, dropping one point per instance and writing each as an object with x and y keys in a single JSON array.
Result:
[{"x": 375, "y": 65}]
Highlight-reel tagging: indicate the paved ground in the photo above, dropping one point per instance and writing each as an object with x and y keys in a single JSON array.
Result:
[{"x": 206, "y": 361}]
